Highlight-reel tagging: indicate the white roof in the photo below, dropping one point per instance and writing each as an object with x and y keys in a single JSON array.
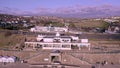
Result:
[
  {"x": 5, "y": 57},
  {"x": 84, "y": 40},
  {"x": 57, "y": 34},
  {"x": 12, "y": 57}
]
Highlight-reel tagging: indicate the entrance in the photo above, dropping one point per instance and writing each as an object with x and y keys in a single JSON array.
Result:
[{"x": 54, "y": 59}]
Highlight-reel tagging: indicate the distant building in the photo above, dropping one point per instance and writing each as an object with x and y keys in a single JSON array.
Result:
[
  {"x": 111, "y": 20},
  {"x": 49, "y": 29}
]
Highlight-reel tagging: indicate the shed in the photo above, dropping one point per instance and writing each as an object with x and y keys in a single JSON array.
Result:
[
  {"x": 11, "y": 59},
  {"x": 4, "y": 58},
  {"x": 7, "y": 59}
]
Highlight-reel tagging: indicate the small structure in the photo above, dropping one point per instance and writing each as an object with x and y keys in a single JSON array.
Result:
[
  {"x": 4, "y": 59},
  {"x": 84, "y": 42},
  {"x": 11, "y": 59},
  {"x": 7, "y": 59},
  {"x": 55, "y": 57}
]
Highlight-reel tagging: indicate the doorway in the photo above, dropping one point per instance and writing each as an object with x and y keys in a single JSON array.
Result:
[{"x": 54, "y": 59}]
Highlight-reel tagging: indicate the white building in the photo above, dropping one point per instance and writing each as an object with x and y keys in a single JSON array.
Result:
[
  {"x": 57, "y": 42},
  {"x": 7, "y": 59},
  {"x": 49, "y": 29},
  {"x": 11, "y": 59},
  {"x": 4, "y": 59}
]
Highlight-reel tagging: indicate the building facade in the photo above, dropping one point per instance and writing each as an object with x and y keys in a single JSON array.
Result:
[{"x": 57, "y": 42}]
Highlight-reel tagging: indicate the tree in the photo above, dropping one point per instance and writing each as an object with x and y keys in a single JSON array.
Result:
[
  {"x": 104, "y": 25},
  {"x": 72, "y": 25}
]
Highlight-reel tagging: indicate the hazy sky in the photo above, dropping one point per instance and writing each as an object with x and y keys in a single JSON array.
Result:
[{"x": 34, "y": 4}]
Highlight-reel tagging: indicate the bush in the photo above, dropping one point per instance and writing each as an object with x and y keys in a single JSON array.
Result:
[
  {"x": 8, "y": 33},
  {"x": 104, "y": 25}
]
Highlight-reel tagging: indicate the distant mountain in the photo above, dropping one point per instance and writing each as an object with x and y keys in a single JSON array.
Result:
[{"x": 75, "y": 11}]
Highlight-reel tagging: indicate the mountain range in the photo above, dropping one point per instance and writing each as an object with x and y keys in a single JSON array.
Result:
[{"x": 73, "y": 11}]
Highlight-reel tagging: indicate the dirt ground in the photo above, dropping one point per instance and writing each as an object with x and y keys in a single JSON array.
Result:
[{"x": 24, "y": 65}]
